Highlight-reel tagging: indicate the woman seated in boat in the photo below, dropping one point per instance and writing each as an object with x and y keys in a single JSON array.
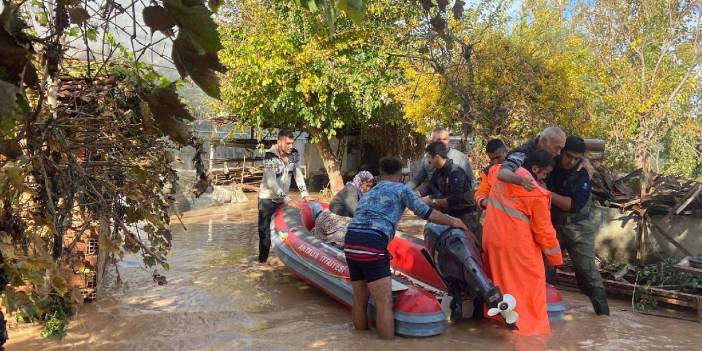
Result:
[
  {"x": 345, "y": 201},
  {"x": 330, "y": 225}
]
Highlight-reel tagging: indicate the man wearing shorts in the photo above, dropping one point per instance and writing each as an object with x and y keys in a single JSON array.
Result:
[{"x": 367, "y": 238}]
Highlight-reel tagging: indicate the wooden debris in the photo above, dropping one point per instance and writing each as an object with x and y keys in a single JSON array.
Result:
[
  {"x": 623, "y": 288},
  {"x": 668, "y": 196}
]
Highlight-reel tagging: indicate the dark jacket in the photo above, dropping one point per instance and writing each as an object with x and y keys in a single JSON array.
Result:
[
  {"x": 450, "y": 183},
  {"x": 345, "y": 201},
  {"x": 573, "y": 184},
  {"x": 516, "y": 157},
  {"x": 425, "y": 171}
]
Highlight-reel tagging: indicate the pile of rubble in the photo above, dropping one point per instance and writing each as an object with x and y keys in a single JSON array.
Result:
[{"x": 668, "y": 196}]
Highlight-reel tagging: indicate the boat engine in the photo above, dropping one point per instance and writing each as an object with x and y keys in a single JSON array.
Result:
[{"x": 456, "y": 256}]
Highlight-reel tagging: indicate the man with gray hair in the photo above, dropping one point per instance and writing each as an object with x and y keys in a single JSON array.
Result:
[
  {"x": 459, "y": 159},
  {"x": 551, "y": 140}
]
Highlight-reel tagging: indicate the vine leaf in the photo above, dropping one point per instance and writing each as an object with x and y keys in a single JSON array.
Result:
[
  {"x": 8, "y": 106},
  {"x": 195, "y": 20},
  {"x": 158, "y": 19},
  {"x": 13, "y": 59},
  {"x": 170, "y": 113},
  {"x": 78, "y": 15},
  {"x": 200, "y": 67},
  {"x": 310, "y": 5},
  {"x": 10, "y": 149}
]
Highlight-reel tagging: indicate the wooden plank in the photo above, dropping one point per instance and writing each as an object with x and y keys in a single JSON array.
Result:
[
  {"x": 684, "y": 266},
  {"x": 670, "y": 238},
  {"x": 237, "y": 159},
  {"x": 247, "y": 187},
  {"x": 694, "y": 192},
  {"x": 244, "y": 143},
  {"x": 670, "y": 297}
]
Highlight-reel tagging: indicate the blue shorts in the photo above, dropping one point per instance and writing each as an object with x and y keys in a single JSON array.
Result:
[{"x": 367, "y": 254}]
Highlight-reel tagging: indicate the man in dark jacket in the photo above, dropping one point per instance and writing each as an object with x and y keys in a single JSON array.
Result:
[
  {"x": 571, "y": 216},
  {"x": 448, "y": 186},
  {"x": 459, "y": 159}
]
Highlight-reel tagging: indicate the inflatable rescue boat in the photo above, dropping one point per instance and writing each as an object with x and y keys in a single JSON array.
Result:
[
  {"x": 429, "y": 286},
  {"x": 417, "y": 312}
]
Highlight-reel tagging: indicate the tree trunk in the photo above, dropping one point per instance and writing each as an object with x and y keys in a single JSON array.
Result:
[
  {"x": 643, "y": 161},
  {"x": 331, "y": 164}
]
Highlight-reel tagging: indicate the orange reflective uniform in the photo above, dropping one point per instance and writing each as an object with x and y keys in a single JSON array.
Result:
[
  {"x": 517, "y": 232},
  {"x": 483, "y": 190}
]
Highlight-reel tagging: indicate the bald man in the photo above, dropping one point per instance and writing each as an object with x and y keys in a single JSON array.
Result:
[{"x": 459, "y": 159}]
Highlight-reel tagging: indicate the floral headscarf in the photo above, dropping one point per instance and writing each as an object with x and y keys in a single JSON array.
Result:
[{"x": 362, "y": 177}]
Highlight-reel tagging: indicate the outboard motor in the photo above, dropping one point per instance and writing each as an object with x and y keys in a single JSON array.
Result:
[{"x": 459, "y": 263}]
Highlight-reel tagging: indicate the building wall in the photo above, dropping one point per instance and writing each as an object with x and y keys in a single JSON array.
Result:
[{"x": 616, "y": 241}]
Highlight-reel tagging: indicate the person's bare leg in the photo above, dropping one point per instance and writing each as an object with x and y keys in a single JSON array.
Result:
[
  {"x": 381, "y": 291},
  {"x": 360, "y": 305}
]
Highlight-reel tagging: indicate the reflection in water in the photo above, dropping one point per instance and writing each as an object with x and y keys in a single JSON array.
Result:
[{"x": 219, "y": 298}]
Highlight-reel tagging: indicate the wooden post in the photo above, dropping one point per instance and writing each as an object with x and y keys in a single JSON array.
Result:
[
  {"x": 212, "y": 146},
  {"x": 243, "y": 168},
  {"x": 104, "y": 237}
]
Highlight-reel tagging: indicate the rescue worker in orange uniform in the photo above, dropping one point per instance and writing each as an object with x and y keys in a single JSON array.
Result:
[
  {"x": 496, "y": 151},
  {"x": 517, "y": 232}
]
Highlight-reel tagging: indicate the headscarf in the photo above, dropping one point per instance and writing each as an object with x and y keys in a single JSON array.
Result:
[{"x": 362, "y": 177}]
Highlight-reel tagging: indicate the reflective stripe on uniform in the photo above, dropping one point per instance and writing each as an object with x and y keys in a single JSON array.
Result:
[
  {"x": 510, "y": 211},
  {"x": 553, "y": 251}
]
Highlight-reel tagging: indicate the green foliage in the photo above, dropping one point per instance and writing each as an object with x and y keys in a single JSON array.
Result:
[
  {"x": 354, "y": 9},
  {"x": 287, "y": 71},
  {"x": 647, "y": 68},
  {"x": 195, "y": 21},
  {"x": 683, "y": 150},
  {"x": 663, "y": 275},
  {"x": 56, "y": 320},
  {"x": 93, "y": 156}
]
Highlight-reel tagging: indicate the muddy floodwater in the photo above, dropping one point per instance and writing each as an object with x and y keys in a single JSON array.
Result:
[{"x": 219, "y": 298}]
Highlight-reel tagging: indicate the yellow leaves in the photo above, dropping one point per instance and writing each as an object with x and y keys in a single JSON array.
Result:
[
  {"x": 308, "y": 83},
  {"x": 59, "y": 284},
  {"x": 423, "y": 98}
]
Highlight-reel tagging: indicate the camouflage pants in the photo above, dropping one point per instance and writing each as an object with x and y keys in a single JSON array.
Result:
[{"x": 578, "y": 239}]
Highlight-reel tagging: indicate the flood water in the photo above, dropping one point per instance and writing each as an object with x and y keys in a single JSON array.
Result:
[{"x": 219, "y": 298}]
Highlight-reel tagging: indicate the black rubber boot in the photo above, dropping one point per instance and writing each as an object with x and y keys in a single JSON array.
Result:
[{"x": 600, "y": 305}]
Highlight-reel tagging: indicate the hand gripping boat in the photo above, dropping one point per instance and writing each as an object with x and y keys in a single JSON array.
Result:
[{"x": 417, "y": 311}]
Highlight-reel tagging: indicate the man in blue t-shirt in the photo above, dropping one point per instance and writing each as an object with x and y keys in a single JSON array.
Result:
[{"x": 367, "y": 238}]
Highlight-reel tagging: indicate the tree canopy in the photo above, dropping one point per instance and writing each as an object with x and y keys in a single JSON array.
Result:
[{"x": 288, "y": 70}]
